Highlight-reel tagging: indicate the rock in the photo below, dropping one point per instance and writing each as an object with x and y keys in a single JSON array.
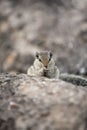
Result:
[{"x": 41, "y": 104}]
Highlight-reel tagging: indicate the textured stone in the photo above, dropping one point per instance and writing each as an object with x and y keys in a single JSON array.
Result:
[{"x": 41, "y": 104}]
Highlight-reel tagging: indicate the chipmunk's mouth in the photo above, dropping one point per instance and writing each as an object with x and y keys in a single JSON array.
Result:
[{"x": 45, "y": 73}]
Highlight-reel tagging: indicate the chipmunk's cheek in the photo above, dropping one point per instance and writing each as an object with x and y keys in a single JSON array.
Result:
[
  {"x": 41, "y": 65},
  {"x": 49, "y": 65}
]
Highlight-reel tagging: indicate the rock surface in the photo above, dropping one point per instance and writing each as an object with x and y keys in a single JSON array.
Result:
[{"x": 30, "y": 103}]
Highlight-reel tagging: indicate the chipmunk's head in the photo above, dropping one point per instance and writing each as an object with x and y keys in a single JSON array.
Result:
[{"x": 44, "y": 58}]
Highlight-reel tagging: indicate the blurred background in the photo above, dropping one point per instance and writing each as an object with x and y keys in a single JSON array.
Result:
[{"x": 27, "y": 26}]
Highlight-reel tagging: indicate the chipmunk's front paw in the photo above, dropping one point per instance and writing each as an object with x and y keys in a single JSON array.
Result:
[{"x": 41, "y": 72}]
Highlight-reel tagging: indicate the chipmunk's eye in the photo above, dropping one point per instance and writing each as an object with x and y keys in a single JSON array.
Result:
[
  {"x": 40, "y": 60},
  {"x": 49, "y": 58}
]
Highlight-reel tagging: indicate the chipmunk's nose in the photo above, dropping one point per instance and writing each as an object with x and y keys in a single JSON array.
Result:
[{"x": 45, "y": 66}]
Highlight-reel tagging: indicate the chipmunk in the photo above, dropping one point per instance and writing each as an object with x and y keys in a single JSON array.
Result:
[{"x": 44, "y": 65}]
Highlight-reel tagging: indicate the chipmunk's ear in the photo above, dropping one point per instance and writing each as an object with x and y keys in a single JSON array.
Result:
[
  {"x": 51, "y": 54},
  {"x": 37, "y": 54}
]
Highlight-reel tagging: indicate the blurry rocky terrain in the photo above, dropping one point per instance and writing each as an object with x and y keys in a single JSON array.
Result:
[
  {"x": 30, "y": 103},
  {"x": 27, "y": 26}
]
